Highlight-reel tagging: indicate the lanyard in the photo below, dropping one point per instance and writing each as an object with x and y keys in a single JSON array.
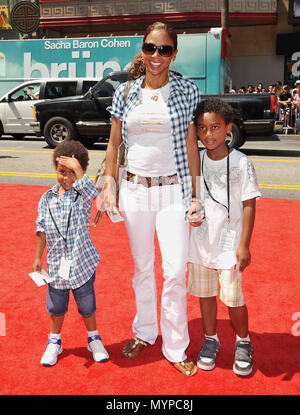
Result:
[
  {"x": 228, "y": 190},
  {"x": 69, "y": 218}
]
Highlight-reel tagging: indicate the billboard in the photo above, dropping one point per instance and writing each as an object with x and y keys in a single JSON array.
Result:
[{"x": 96, "y": 57}]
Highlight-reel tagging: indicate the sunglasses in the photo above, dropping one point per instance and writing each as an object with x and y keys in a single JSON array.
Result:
[{"x": 164, "y": 50}]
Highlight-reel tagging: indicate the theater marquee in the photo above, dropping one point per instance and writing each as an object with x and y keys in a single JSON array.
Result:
[{"x": 59, "y": 13}]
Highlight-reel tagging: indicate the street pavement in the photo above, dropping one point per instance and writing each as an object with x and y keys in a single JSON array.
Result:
[{"x": 276, "y": 160}]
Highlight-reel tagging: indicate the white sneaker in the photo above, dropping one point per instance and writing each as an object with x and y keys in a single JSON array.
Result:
[
  {"x": 96, "y": 347},
  {"x": 53, "y": 350}
]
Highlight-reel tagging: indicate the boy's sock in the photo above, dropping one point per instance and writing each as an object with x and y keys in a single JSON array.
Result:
[
  {"x": 245, "y": 339},
  {"x": 92, "y": 333},
  {"x": 215, "y": 337},
  {"x": 55, "y": 335}
]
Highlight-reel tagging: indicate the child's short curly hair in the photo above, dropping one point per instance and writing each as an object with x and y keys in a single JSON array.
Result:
[
  {"x": 70, "y": 148},
  {"x": 216, "y": 105}
]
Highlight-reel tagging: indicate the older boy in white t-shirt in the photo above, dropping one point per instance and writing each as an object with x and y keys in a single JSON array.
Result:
[{"x": 219, "y": 247}]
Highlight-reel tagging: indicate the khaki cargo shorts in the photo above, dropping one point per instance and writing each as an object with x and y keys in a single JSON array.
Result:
[{"x": 204, "y": 282}]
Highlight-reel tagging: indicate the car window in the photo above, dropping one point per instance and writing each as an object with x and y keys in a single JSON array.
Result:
[
  {"x": 26, "y": 93},
  {"x": 87, "y": 85},
  {"x": 108, "y": 87},
  {"x": 60, "y": 89}
]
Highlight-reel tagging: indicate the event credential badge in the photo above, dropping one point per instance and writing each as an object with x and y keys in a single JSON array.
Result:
[
  {"x": 227, "y": 239},
  {"x": 64, "y": 269}
]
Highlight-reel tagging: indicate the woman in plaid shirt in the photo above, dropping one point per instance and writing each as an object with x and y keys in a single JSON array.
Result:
[
  {"x": 156, "y": 125},
  {"x": 63, "y": 226}
]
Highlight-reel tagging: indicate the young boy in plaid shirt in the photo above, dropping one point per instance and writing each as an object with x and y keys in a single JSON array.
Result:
[{"x": 63, "y": 226}]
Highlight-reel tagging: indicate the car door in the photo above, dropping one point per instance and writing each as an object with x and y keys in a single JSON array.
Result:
[
  {"x": 19, "y": 109},
  {"x": 86, "y": 85},
  {"x": 95, "y": 115}
]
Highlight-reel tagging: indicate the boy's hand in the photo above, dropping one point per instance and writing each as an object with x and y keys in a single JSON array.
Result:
[
  {"x": 243, "y": 252},
  {"x": 37, "y": 265},
  {"x": 195, "y": 214},
  {"x": 243, "y": 257},
  {"x": 71, "y": 163}
]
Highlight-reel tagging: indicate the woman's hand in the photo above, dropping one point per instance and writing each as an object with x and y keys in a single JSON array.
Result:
[
  {"x": 109, "y": 197},
  {"x": 107, "y": 202},
  {"x": 108, "y": 194}
]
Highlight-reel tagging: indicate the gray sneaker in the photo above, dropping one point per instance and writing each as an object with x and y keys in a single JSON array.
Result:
[
  {"x": 207, "y": 356},
  {"x": 243, "y": 362}
]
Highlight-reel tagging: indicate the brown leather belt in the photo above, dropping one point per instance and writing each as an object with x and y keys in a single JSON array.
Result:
[{"x": 151, "y": 181}]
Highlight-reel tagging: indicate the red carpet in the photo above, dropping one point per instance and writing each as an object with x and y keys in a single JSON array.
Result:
[{"x": 271, "y": 288}]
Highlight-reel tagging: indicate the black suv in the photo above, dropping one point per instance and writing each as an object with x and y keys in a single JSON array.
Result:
[{"x": 85, "y": 117}]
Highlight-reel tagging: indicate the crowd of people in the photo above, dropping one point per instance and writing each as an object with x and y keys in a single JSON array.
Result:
[{"x": 288, "y": 100}]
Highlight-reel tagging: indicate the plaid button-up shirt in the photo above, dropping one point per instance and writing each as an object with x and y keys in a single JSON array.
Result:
[
  {"x": 184, "y": 97},
  {"x": 78, "y": 247}
]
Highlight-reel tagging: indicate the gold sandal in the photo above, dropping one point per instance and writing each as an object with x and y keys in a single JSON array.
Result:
[
  {"x": 133, "y": 348},
  {"x": 187, "y": 367}
]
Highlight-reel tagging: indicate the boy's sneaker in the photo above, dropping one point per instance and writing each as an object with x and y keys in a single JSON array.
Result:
[
  {"x": 54, "y": 349},
  {"x": 96, "y": 347},
  {"x": 243, "y": 362},
  {"x": 207, "y": 356}
]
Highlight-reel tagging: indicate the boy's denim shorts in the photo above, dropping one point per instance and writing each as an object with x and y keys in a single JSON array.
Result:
[{"x": 58, "y": 300}]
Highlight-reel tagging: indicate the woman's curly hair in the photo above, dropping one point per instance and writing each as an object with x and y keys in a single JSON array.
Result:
[{"x": 137, "y": 68}]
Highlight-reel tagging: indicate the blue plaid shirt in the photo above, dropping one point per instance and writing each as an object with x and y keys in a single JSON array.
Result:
[
  {"x": 184, "y": 97},
  {"x": 78, "y": 247}
]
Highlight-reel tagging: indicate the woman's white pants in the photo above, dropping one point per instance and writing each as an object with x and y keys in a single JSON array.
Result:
[{"x": 160, "y": 209}]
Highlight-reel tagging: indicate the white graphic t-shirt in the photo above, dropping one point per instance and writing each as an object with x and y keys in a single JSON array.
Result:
[{"x": 213, "y": 244}]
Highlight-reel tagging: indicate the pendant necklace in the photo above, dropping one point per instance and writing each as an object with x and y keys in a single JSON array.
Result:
[{"x": 154, "y": 95}]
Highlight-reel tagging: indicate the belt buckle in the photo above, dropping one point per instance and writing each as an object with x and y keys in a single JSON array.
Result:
[
  {"x": 160, "y": 180},
  {"x": 130, "y": 177},
  {"x": 148, "y": 181}
]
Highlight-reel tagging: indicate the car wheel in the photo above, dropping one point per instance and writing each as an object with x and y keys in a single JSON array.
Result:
[
  {"x": 57, "y": 130},
  {"x": 237, "y": 139}
]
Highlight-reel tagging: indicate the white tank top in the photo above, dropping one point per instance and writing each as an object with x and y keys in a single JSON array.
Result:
[{"x": 150, "y": 144}]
